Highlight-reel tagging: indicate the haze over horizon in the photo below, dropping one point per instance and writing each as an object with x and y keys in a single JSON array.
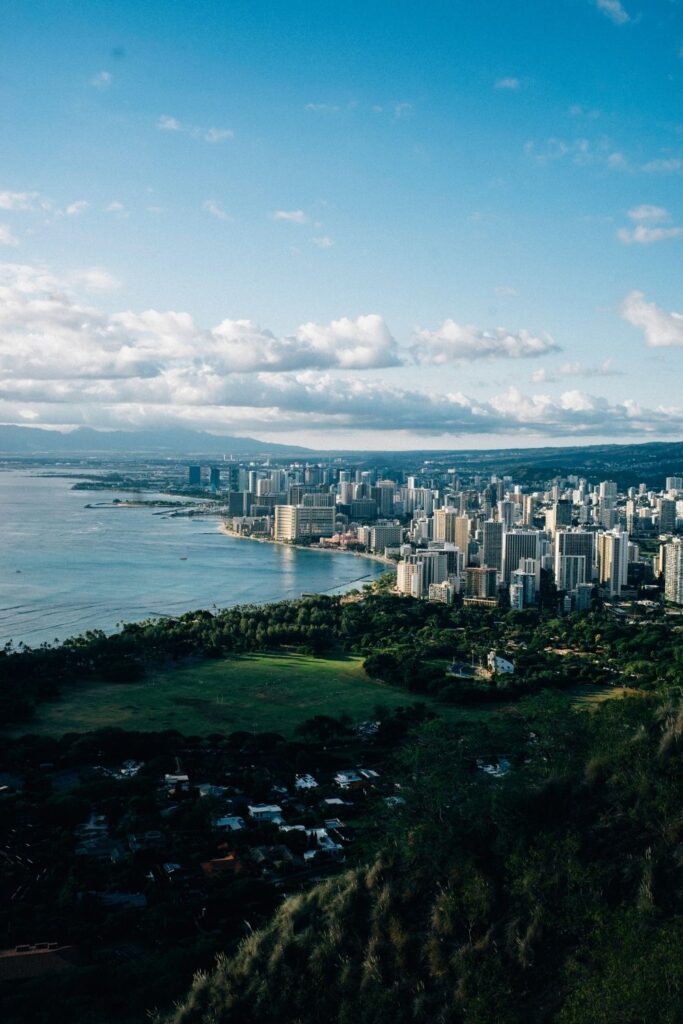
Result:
[{"x": 344, "y": 227}]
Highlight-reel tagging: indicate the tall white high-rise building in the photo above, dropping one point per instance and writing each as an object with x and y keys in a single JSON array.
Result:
[
  {"x": 613, "y": 561},
  {"x": 410, "y": 578},
  {"x": 417, "y": 497},
  {"x": 673, "y": 572},
  {"x": 529, "y": 509},
  {"x": 506, "y": 513},
  {"x": 298, "y": 522},
  {"x": 417, "y": 572},
  {"x": 445, "y": 521},
  {"x": 345, "y": 492}
]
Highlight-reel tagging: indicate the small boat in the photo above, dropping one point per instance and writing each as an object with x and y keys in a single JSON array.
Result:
[{"x": 183, "y": 558}]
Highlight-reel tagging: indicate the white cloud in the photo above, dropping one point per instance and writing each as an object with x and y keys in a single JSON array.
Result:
[
  {"x": 322, "y": 108},
  {"x": 576, "y": 110},
  {"x": 360, "y": 344},
  {"x": 35, "y": 202},
  {"x": 642, "y": 234},
  {"x": 397, "y": 109},
  {"x": 74, "y": 209},
  {"x": 581, "y": 151},
  {"x": 322, "y": 403},
  {"x": 661, "y": 329},
  {"x": 64, "y": 361},
  {"x": 45, "y": 330},
  {"x": 323, "y": 242},
  {"x": 648, "y": 212},
  {"x": 505, "y": 290},
  {"x": 18, "y": 200},
  {"x": 115, "y": 207},
  {"x": 293, "y": 216},
  {"x": 96, "y": 279},
  {"x": 218, "y": 135},
  {"x": 513, "y": 84},
  {"x": 614, "y": 10},
  {"x": 645, "y": 216},
  {"x": 7, "y": 236},
  {"x": 215, "y": 209},
  {"x": 452, "y": 342},
  {"x": 671, "y": 165},
  {"x": 576, "y": 369},
  {"x": 102, "y": 80},
  {"x": 169, "y": 124}
]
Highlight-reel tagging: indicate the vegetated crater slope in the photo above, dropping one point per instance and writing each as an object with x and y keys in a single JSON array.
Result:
[{"x": 552, "y": 894}]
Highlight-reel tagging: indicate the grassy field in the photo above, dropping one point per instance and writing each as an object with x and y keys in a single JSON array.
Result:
[
  {"x": 262, "y": 692},
  {"x": 271, "y": 692},
  {"x": 588, "y": 697}
]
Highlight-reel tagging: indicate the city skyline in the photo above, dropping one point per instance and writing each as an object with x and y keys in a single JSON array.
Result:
[{"x": 360, "y": 227}]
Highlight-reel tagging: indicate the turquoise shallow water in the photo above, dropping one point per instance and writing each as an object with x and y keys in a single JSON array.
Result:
[{"x": 65, "y": 568}]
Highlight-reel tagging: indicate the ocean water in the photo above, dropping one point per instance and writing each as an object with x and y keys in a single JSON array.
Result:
[{"x": 65, "y": 568}]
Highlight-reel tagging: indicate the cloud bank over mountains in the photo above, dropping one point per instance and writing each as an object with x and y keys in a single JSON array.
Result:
[{"x": 63, "y": 361}]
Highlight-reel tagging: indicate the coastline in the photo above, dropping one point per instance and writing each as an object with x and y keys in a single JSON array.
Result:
[{"x": 223, "y": 528}]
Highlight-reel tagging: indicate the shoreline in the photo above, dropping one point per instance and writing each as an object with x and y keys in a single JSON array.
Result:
[{"x": 306, "y": 547}]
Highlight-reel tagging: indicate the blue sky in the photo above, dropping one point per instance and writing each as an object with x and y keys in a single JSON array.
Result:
[{"x": 370, "y": 225}]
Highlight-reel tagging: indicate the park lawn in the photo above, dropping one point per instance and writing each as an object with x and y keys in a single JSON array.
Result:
[
  {"x": 255, "y": 692},
  {"x": 589, "y": 697}
]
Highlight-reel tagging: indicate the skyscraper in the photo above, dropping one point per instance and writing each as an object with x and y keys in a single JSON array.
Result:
[
  {"x": 445, "y": 521},
  {"x": 667, "y": 515},
  {"x": 492, "y": 551},
  {"x": 462, "y": 535},
  {"x": 480, "y": 584},
  {"x": 528, "y": 509},
  {"x": 298, "y": 522},
  {"x": 673, "y": 572},
  {"x": 383, "y": 493},
  {"x": 519, "y": 544},
  {"x": 506, "y": 513},
  {"x": 570, "y": 572},
  {"x": 522, "y": 589},
  {"x": 613, "y": 561},
  {"x": 572, "y": 544}
]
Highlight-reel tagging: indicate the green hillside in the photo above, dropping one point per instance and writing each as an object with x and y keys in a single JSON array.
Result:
[{"x": 552, "y": 894}]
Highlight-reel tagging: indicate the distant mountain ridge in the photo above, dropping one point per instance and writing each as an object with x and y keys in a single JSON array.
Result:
[
  {"x": 627, "y": 463},
  {"x": 29, "y": 441}
]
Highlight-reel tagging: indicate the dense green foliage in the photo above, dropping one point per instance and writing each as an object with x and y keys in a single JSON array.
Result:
[
  {"x": 552, "y": 894},
  {"x": 400, "y": 637}
]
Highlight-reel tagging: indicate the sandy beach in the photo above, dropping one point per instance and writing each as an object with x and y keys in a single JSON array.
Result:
[{"x": 223, "y": 528}]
